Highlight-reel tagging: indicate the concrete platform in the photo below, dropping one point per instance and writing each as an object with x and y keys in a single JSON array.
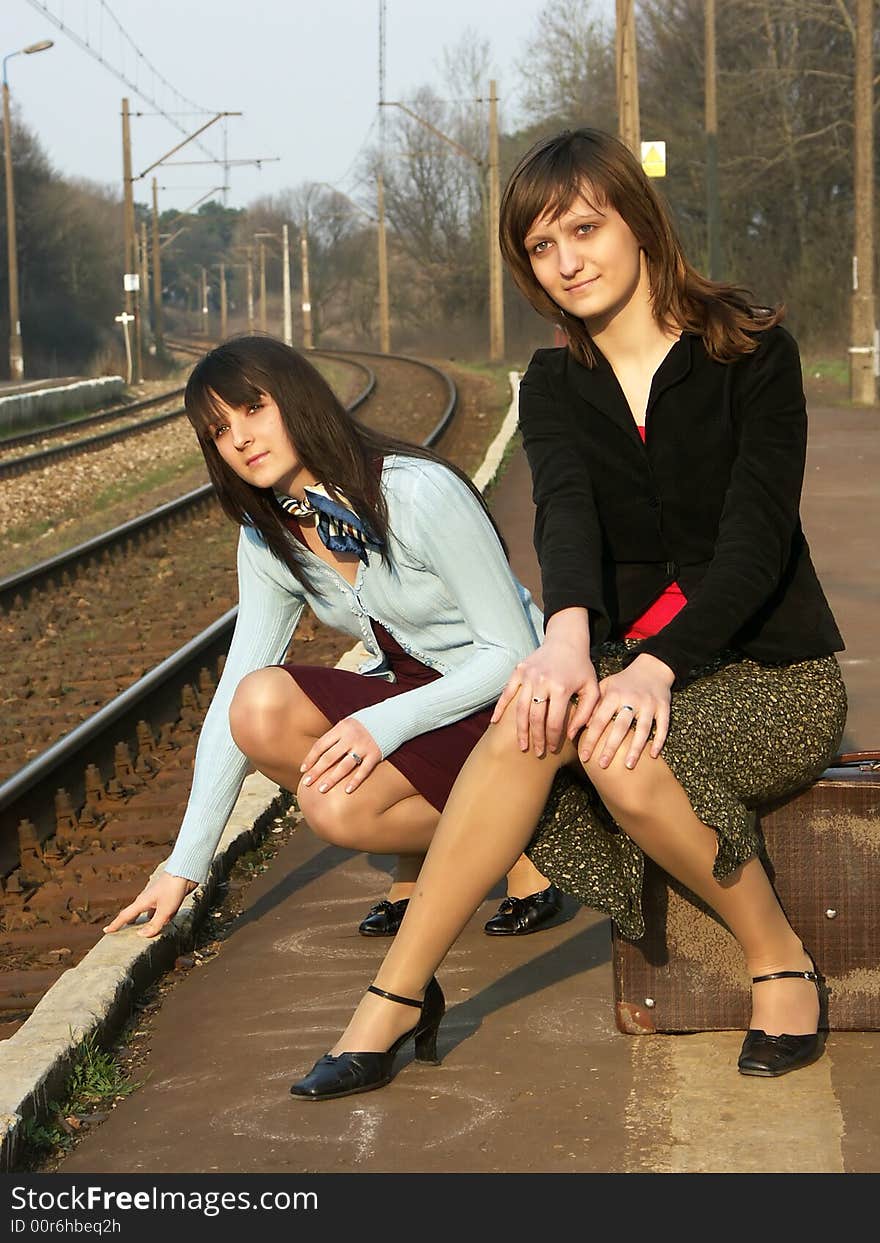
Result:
[{"x": 535, "y": 1076}]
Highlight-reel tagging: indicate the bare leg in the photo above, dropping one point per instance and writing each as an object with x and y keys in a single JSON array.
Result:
[
  {"x": 655, "y": 812},
  {"x": 648, "y": 803},
  {"x": 524, "y": 879},
  {"x": 406, "y": 873},
  {"x": 275, "y": 724},
  {"x": 500, "y": 789}
]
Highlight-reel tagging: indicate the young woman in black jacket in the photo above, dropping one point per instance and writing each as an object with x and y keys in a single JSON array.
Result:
[{"x": 687, "y": 673}]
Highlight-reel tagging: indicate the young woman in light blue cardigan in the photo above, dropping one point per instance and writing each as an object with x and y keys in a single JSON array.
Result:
[{"x": 385, "y": 542}]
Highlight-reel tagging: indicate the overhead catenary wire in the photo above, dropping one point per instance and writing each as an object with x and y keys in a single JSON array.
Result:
[
  {"x": 97, "y": 54},
  {"x": 170, "y": 115}
]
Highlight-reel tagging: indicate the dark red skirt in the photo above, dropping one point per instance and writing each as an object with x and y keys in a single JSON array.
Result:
[{"x": 430, "y": 761}]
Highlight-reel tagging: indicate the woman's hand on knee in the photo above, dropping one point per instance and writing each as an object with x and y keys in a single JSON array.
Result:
[
  {"x": 544, "y": 685},
  {"x": 347, "y": 752},
  {"x": 639, "y": 696},
  {"x": 162, "y": 899}
]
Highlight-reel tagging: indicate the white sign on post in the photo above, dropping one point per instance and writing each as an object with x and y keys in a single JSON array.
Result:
[{"x": 131, "y": 282}]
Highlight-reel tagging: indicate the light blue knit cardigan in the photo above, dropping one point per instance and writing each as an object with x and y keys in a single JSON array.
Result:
[{"x": 444, "y": 591}]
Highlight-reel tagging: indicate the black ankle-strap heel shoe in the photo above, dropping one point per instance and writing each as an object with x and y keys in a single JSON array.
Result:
[
  {"x": 349, "y": 1073},
  {"x": 770, "y": 1056}
]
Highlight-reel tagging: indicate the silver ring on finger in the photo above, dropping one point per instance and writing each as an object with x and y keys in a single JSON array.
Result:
[
  {"x": 358, "y": 759},
  {"x": 537, "y": 700}
]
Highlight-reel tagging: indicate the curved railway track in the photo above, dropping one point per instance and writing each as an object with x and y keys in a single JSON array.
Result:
[
  {"x": 43, "y": 574},
  {"x": 36, "y": 435},
  {"x": 91, "y": 812},
  {"x": 22, "y": 464}
]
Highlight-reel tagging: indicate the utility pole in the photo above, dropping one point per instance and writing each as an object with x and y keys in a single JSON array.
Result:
[
  {"x": 627, "y": 77},
  {"x": 496, "y": 295},
  {"x": 264, "y": 323},
  {"x": 379, "y": 220},
  {"x": 157, "y": 275},
  {"x": 713, "y": 201},
  {"x": 496, "y": 323},
  {"x": 131, "y": 295},
  {"x": 16, "y": 354},
  {"x": 203, "y": 295},
  {"x": 224, "y": 313},
  {"x": 384, "y": 309},
  {"x": 381, "y": 238},
  {"x": 863, "y": 356},
  {"x": 250, "y": 288},
  {"x": 285, "y": 285},
  {"x": 306, "y": 297},
  {"x": 144, "y": 272}
]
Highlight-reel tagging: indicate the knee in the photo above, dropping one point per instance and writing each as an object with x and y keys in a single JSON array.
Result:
[
  {"x": 255, "y": 710},
  {"x": 334, "y": 817},
  {"x": 627, "y": 793},
  {"x": 501, "y": 743}
]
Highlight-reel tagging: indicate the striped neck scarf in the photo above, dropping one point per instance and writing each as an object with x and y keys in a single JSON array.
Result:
[{"x": 339, "y": 527}]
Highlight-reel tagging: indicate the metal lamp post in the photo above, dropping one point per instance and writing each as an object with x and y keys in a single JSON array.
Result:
[{"x": 16, "y": 357}]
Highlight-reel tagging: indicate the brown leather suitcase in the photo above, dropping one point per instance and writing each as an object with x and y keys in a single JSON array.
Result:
[{"x": 687, "y": 973}]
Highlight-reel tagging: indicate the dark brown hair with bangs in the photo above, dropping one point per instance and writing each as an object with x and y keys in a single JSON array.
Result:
[
  {"x": 548, "y": 179},
  {"x": 334, "y": 447}
]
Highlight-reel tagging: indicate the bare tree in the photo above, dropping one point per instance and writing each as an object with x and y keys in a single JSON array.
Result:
[{"x": 567, "y": 69}]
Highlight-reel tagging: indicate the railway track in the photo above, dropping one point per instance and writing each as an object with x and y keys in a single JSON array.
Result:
[
  {"x": 91, "y": 812},
  {"x": 38, "y": 435},
  {"x": 23, "y": 463},
  {"x": 44, "y": 574}
]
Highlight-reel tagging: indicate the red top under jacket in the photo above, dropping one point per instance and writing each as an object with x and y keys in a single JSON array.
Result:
[{"x": 664, "y": 608}]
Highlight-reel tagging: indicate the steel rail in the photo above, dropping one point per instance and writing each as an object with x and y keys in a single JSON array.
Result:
[
  {"x": 103, "y": 416},
  {"x": 451, "y": 390},
  {"x": 16, "y": 466},
  {"x": 36, "y": 576},
  {"x": 155, "y": 696}
]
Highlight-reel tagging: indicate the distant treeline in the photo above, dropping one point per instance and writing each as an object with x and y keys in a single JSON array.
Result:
[{"x": 785, "y": 99}]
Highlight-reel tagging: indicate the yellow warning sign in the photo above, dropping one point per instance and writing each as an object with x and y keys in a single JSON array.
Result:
[{"x": 654, "y": 158}]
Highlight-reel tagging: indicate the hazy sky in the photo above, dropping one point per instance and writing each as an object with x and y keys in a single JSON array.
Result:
[{"x": 303, "y": 72}]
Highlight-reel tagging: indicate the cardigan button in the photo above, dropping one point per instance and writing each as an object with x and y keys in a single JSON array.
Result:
[{"x": 654, "y": 502}]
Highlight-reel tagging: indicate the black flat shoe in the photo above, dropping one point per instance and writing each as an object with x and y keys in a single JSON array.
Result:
[
  {"x": 349, "y": 1073},
  {"x": 383, "y": 919},
  {"x": 771, "y": 1056},
  {"x": 518, "y": 916}
]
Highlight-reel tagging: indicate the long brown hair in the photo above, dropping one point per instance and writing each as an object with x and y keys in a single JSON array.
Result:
[
  {"x": 333, "y": 446},
  {"x": 548, "y": 179}
]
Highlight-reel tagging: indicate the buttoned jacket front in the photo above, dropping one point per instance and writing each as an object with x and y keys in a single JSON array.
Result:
[{"x": 710, "y": 500}]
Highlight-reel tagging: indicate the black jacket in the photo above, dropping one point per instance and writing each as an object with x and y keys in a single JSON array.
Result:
[{"x": 710, "y": 501}]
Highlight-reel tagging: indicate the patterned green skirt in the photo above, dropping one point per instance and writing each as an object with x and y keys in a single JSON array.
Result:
[{"x": 740, "y": 735}]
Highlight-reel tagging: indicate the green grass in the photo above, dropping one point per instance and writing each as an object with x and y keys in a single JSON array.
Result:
[
  {"x": 836, "y": 369},
  {"x": 95, "y": 1079},
  {"x": 143, "y": 483},
  {"x": 253, "y": 862},
  {"x": 512, "y": 445},
  {"x": 345, "y": 383},
  {"x": 30, "y": 532},
  {"x": 59, "y": 420},
  {"x": 497, "y": 372}
]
